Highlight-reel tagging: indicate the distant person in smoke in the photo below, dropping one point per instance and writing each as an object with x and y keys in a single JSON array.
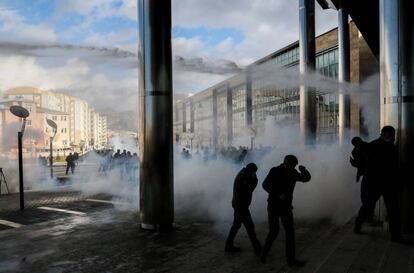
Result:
[
  {"x": 70, "y": 163},
  {"x": 117, "y": 155},
  {"x": 42, "y": 160},
  {"x": 244, "y": 185},
  {"x": 382, "y": 172},
  {"x": 280, "y": 184},
  {"x": 242, "y": 157},
  {"x": 358, "y": 160}
]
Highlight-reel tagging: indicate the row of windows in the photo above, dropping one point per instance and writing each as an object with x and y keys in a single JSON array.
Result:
[
  {"x": 287, "y": 57},
  {"x": 239, "y": 97},
  {"x": 327, "y": 64},
  {"x": 268, "y": 101},
  {"x": 279, "y": 96}
]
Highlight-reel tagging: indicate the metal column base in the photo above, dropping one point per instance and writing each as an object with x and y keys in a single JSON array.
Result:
[{"x": 153, "y": 227}]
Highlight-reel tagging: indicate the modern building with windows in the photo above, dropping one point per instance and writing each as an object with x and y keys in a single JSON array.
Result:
[{"x": 241, "y": 104}]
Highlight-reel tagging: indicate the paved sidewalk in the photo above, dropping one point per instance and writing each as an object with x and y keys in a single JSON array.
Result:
[{"x": 111, "y": 241}]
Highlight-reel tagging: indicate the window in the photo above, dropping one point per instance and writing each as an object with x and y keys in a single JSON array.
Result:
[
  {"x": 54, "y": 117},
  {"x": 28, "y": 107}
]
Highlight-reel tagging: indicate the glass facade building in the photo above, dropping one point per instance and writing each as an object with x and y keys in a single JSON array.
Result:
[{"x": 268, "y": 100}]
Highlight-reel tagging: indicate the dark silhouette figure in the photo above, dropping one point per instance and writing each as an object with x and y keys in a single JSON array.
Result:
[
  {"x": 244, "y": 185},
  {"x": 42, "y": 160},
  {"x": 382, "y": 173},
  {"x": 358, "y": 160},
  {"x": 242, "y": 157},
  {"x": 280, "y": 183},
  {"x": 358, "y": 156},
  {"x": 70, "y": 163},
  {"x": 117, "y": 155}
]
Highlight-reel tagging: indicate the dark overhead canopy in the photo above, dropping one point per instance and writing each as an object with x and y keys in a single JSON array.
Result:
[{"x": 365, "y": 14}]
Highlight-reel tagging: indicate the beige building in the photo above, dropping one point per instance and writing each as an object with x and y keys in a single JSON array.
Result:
[
  {"x": 103, "y": 131},
  {"x": 78, "y": 125},
  {"x": 98, "y": 135}
]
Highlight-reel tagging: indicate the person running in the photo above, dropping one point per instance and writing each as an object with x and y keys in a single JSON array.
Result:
[
  {"x": 280, "y": 184},
  {"x": 244, "y": 185}
]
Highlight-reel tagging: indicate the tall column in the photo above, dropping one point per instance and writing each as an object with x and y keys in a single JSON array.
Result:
[
  {"x": 397, "y": 89},
  {"x": 344, "y": 57},
  {"x": 192, "y": 116},
  {"x": 249, "y": 104},
  {"x": 156, "y": 130},
  {"x": 215, "y": 120},
  {"x": 307, "y": 65},
  {"x": 184, "y": 117},
  {"x": 229, "y": 116}
]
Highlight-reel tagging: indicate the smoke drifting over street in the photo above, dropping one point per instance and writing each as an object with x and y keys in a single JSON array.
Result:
[{"x": 204, "y": 187}]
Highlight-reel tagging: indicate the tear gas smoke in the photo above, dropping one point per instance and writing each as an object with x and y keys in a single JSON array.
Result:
[
  {"x": 121, "y": 142},
  {"x": 205, "y": 187}
]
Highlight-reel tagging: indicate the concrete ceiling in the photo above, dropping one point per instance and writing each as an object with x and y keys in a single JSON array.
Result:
[{"x": 365, "y": 14}]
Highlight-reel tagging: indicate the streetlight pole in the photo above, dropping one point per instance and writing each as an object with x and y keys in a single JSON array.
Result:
[
  {"x": 22, "y": 113},
  {"x": 51, "y": 156},
  {"x": 20, "y": 148},
  {"x": 52, "y": 124}
]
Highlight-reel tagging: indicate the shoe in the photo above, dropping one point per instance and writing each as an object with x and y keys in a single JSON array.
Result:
[
  {"x": 232, "y": 249},
  {"x": 295, "y": 262}
]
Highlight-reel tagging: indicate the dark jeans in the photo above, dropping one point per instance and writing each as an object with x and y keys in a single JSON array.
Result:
[
  {"x": 72, "y": 168},
  {"x": 284, "y": 213},
  {"x": 242, "y": 216},
  {"x": 391, "y": 200},
  {"x": 365, "y": 199}
]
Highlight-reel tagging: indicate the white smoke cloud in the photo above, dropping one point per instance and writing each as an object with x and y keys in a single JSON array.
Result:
[{"x": 206, "y": 187}]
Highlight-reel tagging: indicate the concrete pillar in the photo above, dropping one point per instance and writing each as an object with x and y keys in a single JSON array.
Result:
[
  {"x": 307, "y": 65},
  {"x": 249, "y": 103},
  {"x": 156, "y": 127},
  {"x": 397, "y": 89},
  {"x": 215, "y": 120},
  {"x": 184, "y": 117},
  {"x": 229, "y": 116},
  {"x": 344, "y": 58},
  {"x": 192, "y": 115}
]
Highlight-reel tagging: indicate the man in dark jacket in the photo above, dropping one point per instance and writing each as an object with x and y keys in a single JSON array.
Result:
[
  {"x": 244, "y": 185},
  {"x": 358, "y": 156},
  {"x": 280, "y": 183},
  {"x": 70, "y": 163},
  {"x": 382, "y": 173},
  {"x": 359, "y": 161}
]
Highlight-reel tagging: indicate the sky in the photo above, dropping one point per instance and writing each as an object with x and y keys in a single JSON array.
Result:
[{"x": 88, "y": 48}]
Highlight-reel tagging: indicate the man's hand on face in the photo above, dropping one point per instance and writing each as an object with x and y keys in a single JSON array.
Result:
[{"x": 302, "y": 168}]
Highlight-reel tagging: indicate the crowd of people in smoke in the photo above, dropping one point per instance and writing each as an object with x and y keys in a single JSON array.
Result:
[
  {"x": 237, "y": 155},
  {"x": 125, "y": 162}
]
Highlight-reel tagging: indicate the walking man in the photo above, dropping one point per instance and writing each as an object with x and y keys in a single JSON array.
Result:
[
  {"x": 244, "y": 185},
  {"x": 280, "y": 183},
  {"x": 70, "y": 163}
]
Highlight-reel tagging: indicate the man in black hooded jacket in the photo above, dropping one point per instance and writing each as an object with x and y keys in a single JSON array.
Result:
[
  {"x": 280, "y": 183},
  {"x": 244, "y": 185}
]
